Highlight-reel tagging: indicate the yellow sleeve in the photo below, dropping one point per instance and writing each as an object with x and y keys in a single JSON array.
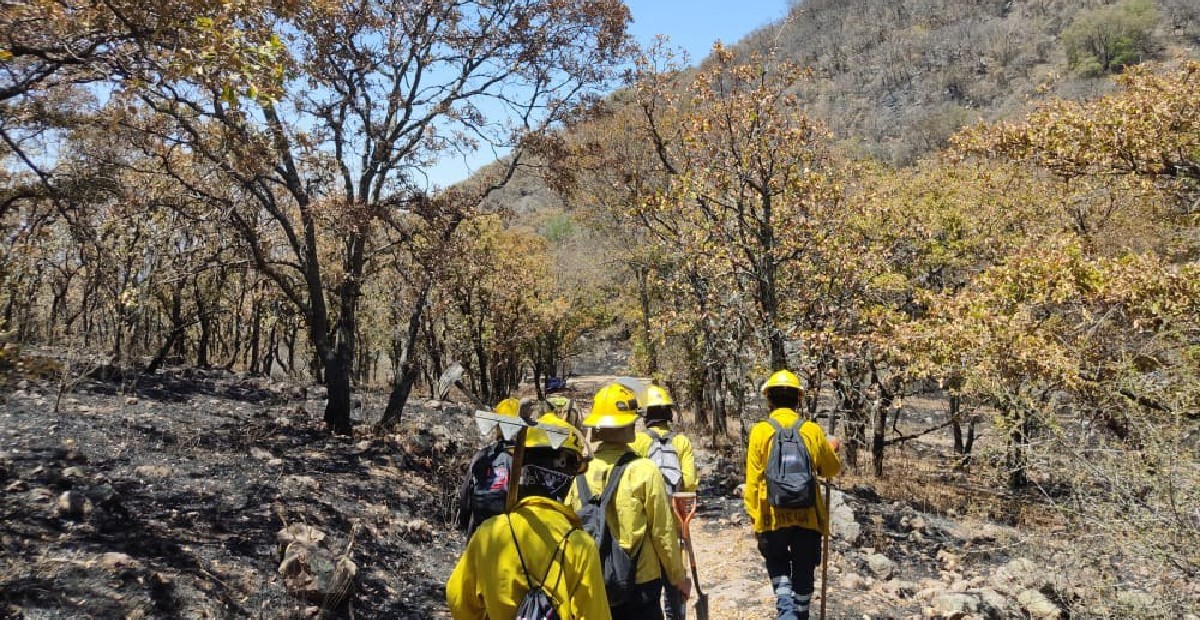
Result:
[
  {"x": 687, "y": 462},
  {"x": 589, "y": 598},
  {"x": 755, "y": 471},
  {"x": 462, "y": 593},
  {"x": 826, "y": 460},
  {"x": 660, "y": 525}
]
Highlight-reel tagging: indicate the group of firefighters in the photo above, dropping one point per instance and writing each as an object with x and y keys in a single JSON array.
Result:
[{"x": 541, "y": 546}]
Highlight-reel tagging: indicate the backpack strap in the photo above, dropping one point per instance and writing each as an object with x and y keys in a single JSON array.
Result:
[
  {"x": 582, "y": 489},
  {"x": 520, "y": 556},
  {"x": 610, "y": 491},
  {"x": 610, "y": 488},
  {"x": 775, "y": 424},
  {"x": 559, "y": 550},
  {"x": 662, "y": 438},
  {"x": 614, "y": 476}
]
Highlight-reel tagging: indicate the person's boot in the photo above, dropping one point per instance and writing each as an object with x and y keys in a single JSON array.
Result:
[
  {"x": 785, "y": 604},
  {"x": 803, "y": 602}
]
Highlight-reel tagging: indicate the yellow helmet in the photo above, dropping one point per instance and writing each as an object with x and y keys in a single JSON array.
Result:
[
  {"x": 615, "y": 406},
  {"x": 657, "y": 397},
  {"x": 537, "y": 437},
  {"x": 509, "y": 407},
  {"x": 782, "y": 379}
]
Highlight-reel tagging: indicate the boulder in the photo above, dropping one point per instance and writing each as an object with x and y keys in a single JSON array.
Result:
[
  {"x": 300, "y": 533},
  {"x": 841, "y": 519},
  {"x": 852, "y": 582},
  {"x": 152, "y": 471},
  {"x": 881, "y": 567},
  {"x": 993, "y": 605},
  {"x": 955, "y": 604},
  {"x": 41, "y": 495},
  {"x": 1017, "y": 575},
  {"x": 899, "y": 588},
  {"x": 73, "y": 505},
  {"x": 1037, "y": 605},
  {"x": 114, "y": 560},
  {"x": 299, "y": 486},
  {"x": 316, "y": 575}
]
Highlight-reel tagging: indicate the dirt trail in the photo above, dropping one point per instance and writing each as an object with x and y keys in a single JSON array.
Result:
[{"x": 731, "y": 570}]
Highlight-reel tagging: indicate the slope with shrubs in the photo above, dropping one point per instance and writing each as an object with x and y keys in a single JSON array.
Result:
[{"x": 896, "y": 79}]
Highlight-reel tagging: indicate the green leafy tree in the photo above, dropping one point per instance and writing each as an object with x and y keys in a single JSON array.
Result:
[{"x": 1109, "y": 38}]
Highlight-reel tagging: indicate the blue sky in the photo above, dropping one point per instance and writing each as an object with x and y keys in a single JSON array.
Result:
[{"x": 692, "y": 25}]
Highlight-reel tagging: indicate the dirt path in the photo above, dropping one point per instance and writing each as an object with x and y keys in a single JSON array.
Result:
[{"x": 731, "y": 570}]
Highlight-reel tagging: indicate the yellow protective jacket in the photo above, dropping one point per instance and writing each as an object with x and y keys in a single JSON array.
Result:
[
  {"x": 764, "y": 516},
  {"x": 640, "y": 513},
  {"x": 683, "y": 447},
  {"x": 488, "y": 581}
]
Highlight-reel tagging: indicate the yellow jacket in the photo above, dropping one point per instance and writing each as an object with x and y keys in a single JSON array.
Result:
[
  {"x": 683, "y": 447},
  {"x": 488, "y": 581},
  {"x": 640, "y": 513},
  {"x": 764, "y": 516}
]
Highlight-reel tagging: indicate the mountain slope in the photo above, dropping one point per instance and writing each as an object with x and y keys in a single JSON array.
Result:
[{"x": 894, "y": 79}]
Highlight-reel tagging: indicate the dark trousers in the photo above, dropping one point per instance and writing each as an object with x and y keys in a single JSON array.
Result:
[
  {"x": 672, "y": 600},
  {"x": 644, "y": 604},
  {"x": 792, "y": 556}
]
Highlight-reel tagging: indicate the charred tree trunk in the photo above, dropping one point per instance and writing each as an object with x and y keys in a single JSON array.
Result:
[
  {"x": 404, "y": 367},
  {"x": 178, "y": 327},
  {"x": 956, "y": 423},
  {"x": 1016, "y": 459},
  {"x": 256, "y": 337}
]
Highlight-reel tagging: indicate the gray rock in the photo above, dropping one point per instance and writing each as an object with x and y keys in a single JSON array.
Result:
[
  {"x": 114, "y": 560},
  {"x": 881, "y": 567},
  {"x": 41, "y": 495},
  {"x": 955, "y": 604},
  {"x": 312, "y": 572},
  {"x": 900, "y": 588},
  {"x": 841, "y": 519},
  {"x": 299, "y": 486},
  {"x": 852, "y": 582},
  {"x": 73, "y": 505},
  {"x": 993, "y": 605},
  {"x": 1019, "y": 574},
  {"x": 1037, "y": 605}
]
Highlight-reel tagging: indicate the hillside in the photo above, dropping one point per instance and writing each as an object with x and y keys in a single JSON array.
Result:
[{"x": 895, "y": 79}]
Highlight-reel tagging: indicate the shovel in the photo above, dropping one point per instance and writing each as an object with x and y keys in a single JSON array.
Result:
[{"x": 684, "y": 505}]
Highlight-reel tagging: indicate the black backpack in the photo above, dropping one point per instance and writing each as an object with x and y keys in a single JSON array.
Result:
[
  {"x": 537, "y": 604},
  {"x": 489, "y": 477},
  {"x": 619, "y": 567},
  {"x": 790, "y": 480},
  {"x": 664, "y": 455}
]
